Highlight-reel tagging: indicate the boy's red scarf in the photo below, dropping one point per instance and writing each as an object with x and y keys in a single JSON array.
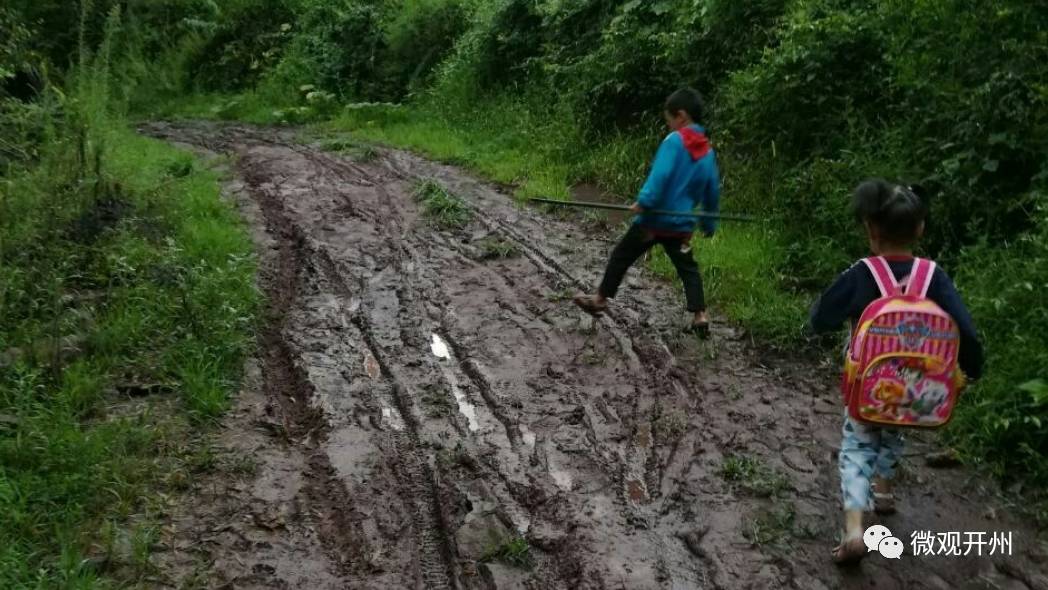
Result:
[
  {"x": 695, "y": 142},
  {"x": 698, "y": 145}
]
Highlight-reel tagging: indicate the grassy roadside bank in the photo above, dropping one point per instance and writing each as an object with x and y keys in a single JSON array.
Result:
[{"x": 127, "y": 304}]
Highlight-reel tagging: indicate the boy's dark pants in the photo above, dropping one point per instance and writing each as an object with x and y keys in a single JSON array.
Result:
[{"x": 634, "y": 244}]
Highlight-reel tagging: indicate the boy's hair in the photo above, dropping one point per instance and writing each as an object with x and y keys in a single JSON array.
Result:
[
  {"x": 688, "y": 100},
  {"x": 896, "y": 210}
]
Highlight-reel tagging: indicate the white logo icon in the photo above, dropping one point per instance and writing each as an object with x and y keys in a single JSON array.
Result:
[
  {"x": 890, "y": 547},
  {"x": 878, "y": 538}
]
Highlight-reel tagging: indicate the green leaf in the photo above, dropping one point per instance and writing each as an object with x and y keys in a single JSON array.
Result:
[
  {"x": 661, "y": 8},
  {"x": 1037, "y": 388},
  {"x": 997, "y": 138},
  {"x": 1034, "y": 386},
  {"x": 991, "y": 165}
]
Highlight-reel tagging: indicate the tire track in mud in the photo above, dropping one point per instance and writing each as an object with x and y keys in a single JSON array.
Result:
[
  {"x": 637, "y": 474},
  {"x": 285, "y": 381},
  {"x": 599, "y": 442},
  {"x": 430, "y": 527}
]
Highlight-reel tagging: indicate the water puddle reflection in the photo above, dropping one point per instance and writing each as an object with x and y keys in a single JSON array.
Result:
[
  {"x": 441, "y": 351},
  {"x": 392, "y": 418},
  {"x": 439, "y": 347},
  {"x": 561, "y": 478},
  {"x": 527, "y": 435}
]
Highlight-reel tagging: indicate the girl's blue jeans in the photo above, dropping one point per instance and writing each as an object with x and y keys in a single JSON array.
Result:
[{"x": 866, "y": 452}]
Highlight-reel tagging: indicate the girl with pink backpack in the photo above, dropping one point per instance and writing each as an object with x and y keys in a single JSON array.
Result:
[{"x": 912, "y": 346}]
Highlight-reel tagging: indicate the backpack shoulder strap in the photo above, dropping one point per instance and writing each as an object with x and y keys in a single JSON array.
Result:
[
  {"x": 920, "y": 277},
  {"x": 882, "y": 274}
]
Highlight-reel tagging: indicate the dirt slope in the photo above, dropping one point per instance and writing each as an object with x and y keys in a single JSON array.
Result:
[{"x": 416, "y": 406}]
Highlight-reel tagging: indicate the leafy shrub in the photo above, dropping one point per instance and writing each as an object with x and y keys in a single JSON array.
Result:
[
  {"x": 247, "y": 42},
  {"x": 337, "y": 48},
  {"x": 623, "y": 75},
  {"x": 21, "y": 122},
  {"x": 418, "y": 37},
  {"x": 13, "y": 47},
  {"x": 802, "y": 96},
  {"x": 732, "y": 35},
  {"x": 1006, "y": 288},
  {"x": 501, "y": 47},
  {"x": 978, "y": 129}
]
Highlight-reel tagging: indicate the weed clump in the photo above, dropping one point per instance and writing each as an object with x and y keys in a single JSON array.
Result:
[
  {"x": 441, "y": 207},
  {"x": 515, "y": 552},
  {"x": 753, "y": 476},
  {"x": 496, "y": 248}
]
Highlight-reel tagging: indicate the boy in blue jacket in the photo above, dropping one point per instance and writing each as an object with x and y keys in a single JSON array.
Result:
[{"x": 684, "y": 175}]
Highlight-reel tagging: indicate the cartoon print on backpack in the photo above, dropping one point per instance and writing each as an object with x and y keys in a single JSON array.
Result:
[
  {"x": 891, "y": 394},
  {"x": 932, "y": 401},
  {"x": 911, "y": 370},
  {"x": 906, "y": 390}
]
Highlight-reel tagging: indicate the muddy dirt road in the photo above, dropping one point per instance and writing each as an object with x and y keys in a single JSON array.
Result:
[{"x": 423, "y": 414}]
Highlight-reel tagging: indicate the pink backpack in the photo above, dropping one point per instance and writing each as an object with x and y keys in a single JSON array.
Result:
[{"x": 901, "y": 368}]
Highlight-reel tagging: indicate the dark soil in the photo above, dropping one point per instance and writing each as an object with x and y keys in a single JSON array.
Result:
[{"x": 417, "y": 407}]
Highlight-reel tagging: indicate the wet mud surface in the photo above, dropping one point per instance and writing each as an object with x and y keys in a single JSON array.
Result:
[{"x": 422, "y": 415}]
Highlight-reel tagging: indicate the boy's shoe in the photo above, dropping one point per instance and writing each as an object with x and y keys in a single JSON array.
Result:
[
  {"x": 700, "y": 329},
  {"x": 590, "y": 305}
]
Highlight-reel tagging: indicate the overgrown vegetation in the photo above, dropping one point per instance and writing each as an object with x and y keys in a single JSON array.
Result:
[
  {"x": 126, "y": 305},
  {"x": 806, "y": 97}
]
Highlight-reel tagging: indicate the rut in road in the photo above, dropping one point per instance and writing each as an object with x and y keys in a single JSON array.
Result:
[{"x": 422, "y": 408}]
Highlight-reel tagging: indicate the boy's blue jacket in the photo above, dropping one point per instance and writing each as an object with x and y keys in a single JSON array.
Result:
[{"x": 678, "y": 182}]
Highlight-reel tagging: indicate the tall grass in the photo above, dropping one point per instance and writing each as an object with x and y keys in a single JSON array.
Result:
[{"x": 126, "y": 308}]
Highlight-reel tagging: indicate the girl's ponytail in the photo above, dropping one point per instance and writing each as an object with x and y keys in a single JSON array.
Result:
[{"x": 897, "y": 210}]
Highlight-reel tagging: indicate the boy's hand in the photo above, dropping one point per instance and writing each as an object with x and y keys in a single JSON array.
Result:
[{"x": 636, "y": 208}]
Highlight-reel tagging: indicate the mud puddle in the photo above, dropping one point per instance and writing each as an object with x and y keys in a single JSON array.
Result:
[
  {"x": 424, "y": 416},
  {"x": 439, "y": 348}
]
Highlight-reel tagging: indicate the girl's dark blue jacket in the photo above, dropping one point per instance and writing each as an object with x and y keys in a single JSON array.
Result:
[{"x": 855, "y": 289}]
